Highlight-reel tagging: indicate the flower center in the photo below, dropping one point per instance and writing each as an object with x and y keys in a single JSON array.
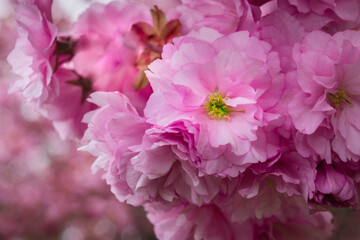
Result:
[
  {"x": 339, "y": 99},
  {"x": 216, "y": 108}
]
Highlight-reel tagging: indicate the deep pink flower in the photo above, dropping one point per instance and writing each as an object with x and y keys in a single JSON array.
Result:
[
  {"x": 226, "y": 87},
  {"x": 328, "y": 96}
]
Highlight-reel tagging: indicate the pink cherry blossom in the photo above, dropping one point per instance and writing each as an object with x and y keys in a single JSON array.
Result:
[
  {"x": 225, "y": 119},
  {"x": 204, "y": 70},
  {"x": 327, "y": 69}
]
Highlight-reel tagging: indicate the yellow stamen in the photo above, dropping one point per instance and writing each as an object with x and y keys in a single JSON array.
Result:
[
  {"x": 339, "y": 99},
  {"x": 216, "y": 108}
]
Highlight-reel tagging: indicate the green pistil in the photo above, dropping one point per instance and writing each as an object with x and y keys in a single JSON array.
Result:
[
  {"x": 339, "y": 99},
  {"x": 216, "y": 108}
]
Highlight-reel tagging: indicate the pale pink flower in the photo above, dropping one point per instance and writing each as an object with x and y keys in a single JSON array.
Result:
[
  {"x": 328, "y": 96},
  {"x": 226, "y": 87}
]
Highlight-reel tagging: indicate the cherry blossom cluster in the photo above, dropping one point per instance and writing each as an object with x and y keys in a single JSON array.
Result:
[{"x": 225, "y": 119}]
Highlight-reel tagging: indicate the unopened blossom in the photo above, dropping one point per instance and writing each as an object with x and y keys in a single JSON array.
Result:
[
  {"x": 328, "y": 96},
  {"x": 226, "y": 87},
  {"x": 334, "y": 188}
]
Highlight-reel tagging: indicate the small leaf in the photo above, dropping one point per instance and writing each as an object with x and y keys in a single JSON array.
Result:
[
  {"x": 159, "y": 19},
  {"x": 142, "y": 30},
  {"x": 171, "y": 30}
]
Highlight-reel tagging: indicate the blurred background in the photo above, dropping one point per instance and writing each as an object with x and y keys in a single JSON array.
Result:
[{"x": 47, "y": 190}]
